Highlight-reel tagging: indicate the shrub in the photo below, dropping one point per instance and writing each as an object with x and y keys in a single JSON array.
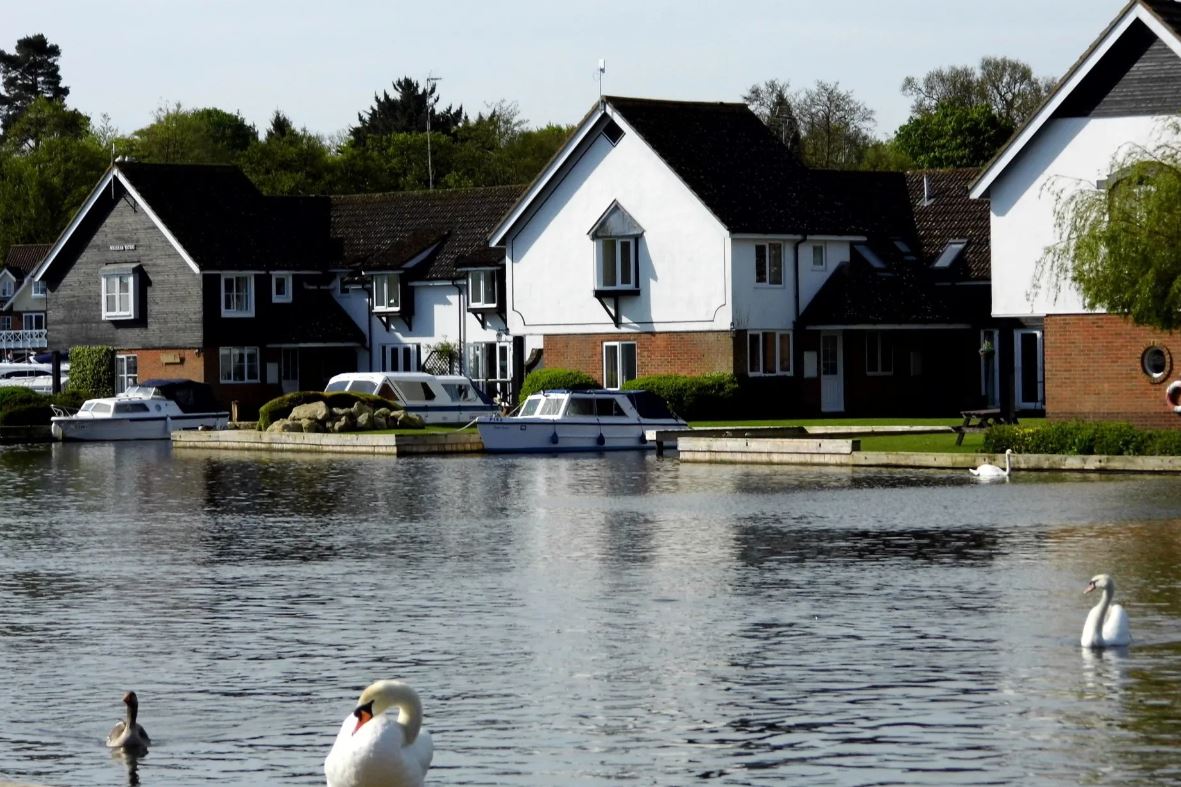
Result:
[
  {"x": 547, "y": 379},
  {"x": 693, "y": 398},
  {"x": 92, "y": 371},
  {"x": 282, "y": 406},
  {"x": 1083, "y": 437},
  {"x": 17, "y": 396}
]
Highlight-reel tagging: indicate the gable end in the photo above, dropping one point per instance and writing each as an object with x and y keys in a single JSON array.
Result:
[{"x": 1139, "y": 76}]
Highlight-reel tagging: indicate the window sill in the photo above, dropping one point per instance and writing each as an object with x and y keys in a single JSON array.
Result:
[
  {"x": 118, "y": 317},
  {"x": 237, "y": 315},
  {"x": 483, "y": 308},
  {"x": 760, "y": 285},
  {"x": 610, "y": 292},
  {"x": 770, "y": 374},
  {"x": 397, "y": 310}
]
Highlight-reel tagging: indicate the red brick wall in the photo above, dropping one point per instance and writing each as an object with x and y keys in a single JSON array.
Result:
[
  {"x": 656, "y": 353},
  {"x": 156, "y": 363},
  {"x": 1093, "y": 371}
]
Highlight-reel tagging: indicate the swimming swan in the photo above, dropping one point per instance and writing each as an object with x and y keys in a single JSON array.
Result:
[
  {"x": 374, "y": 749},
  {"x": 992, "y": 471},
  {"x": 129, "y": 735},
  {"x": 1107, "y": 623}
]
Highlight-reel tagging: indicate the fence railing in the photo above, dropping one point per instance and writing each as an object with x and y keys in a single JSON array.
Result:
[{"x": 24, "y": 340}]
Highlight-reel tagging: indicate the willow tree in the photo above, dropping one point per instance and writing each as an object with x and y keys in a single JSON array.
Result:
[{"x": 1120, "y": 243}]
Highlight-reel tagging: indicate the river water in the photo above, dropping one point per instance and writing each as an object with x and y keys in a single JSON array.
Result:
[{"x": 597, "y": 620}]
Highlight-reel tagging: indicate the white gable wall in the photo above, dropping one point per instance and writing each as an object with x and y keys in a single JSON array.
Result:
[
  {"x": 1070, "y": 153},
  {"x": 684, "y": 254}
]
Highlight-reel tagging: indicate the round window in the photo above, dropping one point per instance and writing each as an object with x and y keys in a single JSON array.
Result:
[{"x": 1156, "y": 362}]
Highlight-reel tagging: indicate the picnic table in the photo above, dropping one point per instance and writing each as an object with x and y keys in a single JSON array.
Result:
[{"x": 979, "y": 420}]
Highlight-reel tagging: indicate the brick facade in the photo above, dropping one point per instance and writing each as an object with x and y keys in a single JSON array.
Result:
[
  {"x": 656, "y": 353},
  {"x": 1093, "y": 371}
]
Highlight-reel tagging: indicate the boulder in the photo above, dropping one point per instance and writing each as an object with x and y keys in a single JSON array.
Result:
[
  {"x": 364, "y": 421},
  {"x": 317, "y": 411},
  {"x": 407, "y": 420},
  {"x": 312, "y": 426},
  {"x": 379, "y": 421},
  {"x": 359, "y": 409},
  {"x": 284, "y": 425},
  {"x": 342, "y": 425}
]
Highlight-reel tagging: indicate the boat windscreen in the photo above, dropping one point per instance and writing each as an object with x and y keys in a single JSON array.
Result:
[
  {"x": 131, "y": 407},
  {"x": 337, "y": 385},
  {"x": 530, "y": 406},
  {"x": 649, "y": 405},
  {"x": 581, "y": 405},
  {"x": 414, "y": 391},
  {"x": 362, "y": 386},
  {"x": 552, "y": 406}
]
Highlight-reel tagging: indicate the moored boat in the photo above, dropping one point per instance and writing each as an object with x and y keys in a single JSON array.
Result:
[
  {"x": 591, "y": 420},
  {"x": 436, "y": 399},
  {"x": 152, "y": 410}
]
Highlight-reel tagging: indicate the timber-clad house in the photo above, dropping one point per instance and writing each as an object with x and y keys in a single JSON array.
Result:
[{"x": 188, "y": 271}]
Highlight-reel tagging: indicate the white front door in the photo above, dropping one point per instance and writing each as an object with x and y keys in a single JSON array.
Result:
[
  {"x": 1028, "y": 373},
  {"x": 832, "y": 374}
]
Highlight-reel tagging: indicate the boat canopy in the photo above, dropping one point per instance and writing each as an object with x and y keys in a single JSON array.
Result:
[{"x": 190, "y": 396}]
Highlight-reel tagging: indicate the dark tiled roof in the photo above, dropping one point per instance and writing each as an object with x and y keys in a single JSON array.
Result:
[
  {"x": 225, "y": 223},
  {"x": 950, "y": 214},
  {"x": 317, "y": 318},
  {"x": 381, "y": 231},
  {"x": 23, "y": 258},
  {"x": 856, "y": 294}
]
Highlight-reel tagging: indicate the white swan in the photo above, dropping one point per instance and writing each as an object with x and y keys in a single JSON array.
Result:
[
  {"x": 374, "y": 749},
  {"x": 987, "y": 470},
  {"x": 129, "y": 735},
  {"x": 1107, "y": 623}
]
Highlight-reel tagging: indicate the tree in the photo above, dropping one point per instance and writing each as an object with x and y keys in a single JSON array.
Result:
[
  {"x": 1005, "y": 85},
  {"x": 198, "y": 136},
  {"x": 953, "y": 136},
  {"x": 27, "y": 72},
  {"x": 289, "y": 161},
  {"x": 834, "y": 126},
  {"x": 1121, "y": 245},
  {"x": 772, "y": 103},
  {"x": 405, "y": 112}
]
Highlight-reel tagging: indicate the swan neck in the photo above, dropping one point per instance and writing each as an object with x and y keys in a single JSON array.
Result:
[{"x": 410, "y": 718}]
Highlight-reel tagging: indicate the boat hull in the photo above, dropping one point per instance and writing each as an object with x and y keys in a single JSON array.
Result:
[
  {"x": 514, "y": 435},
  {"x": 73, "y": 428}
]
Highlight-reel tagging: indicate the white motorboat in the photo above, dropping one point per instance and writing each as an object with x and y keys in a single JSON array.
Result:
[
  {"x": 436, "y": 399},
  {"x": 36, "y": 376},
  {"x": 593, "y": 420},
  {"x": 152, "y": 410}
]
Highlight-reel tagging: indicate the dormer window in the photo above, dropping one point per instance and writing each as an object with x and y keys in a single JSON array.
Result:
[
  {"x": 119, "y": 292},
  {"x": 7, "y": 286},
  {"x": 616, "y": 236},
  {"x": 387, "y": 294},
  {"x": 237, "y": 295},
  {"x": 39, "y": 289},
  {"x": 281, "y": 288},
  {"x": 617, "y": 264},
  {"x": 481, "y": 289}
]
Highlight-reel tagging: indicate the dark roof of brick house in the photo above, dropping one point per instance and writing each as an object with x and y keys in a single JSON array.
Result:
[
  {"x": 253, "y": 231},
  {"x": 856, "y": 294},
  {"x": 943, "y": 212},
  {"x": 23, "y": 258},
  {"x": 386, "y": 231}
]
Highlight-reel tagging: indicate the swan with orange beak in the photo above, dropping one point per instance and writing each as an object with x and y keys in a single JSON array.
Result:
[{"x": 378, "y": 748}]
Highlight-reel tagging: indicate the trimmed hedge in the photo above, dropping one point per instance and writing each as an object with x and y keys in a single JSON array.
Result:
[
  {"x": 548, "y": 379},
  {"x": 693, "y": 398},
  {"x": 1112, "y": 438},
  {"x": 92, "y": 371},
  {"x": 25, "y": 407},
  {"x": 282, "y": 406}
]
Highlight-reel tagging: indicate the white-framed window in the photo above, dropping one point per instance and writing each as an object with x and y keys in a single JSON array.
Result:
[
  {"x": 400, "y": 358},
  {"x": 118, "y": 295},
  {"x": 281, "y": 288},
  {"x": 126, "y": 372},
  {"x": 40, "y": 289},
  {"x": 489, "y": 364},
  {"x": 818, "y": 257},
  {"x": 769, "y": 264},
  {"x": 239, "y": 364},
  {"x": 7, "y": 286},
  {"x": 33, "y": 321},
  {"x": 6, "y": 322},
  {"x": 237, "y": 295},
  {"x": 879, "y": 353},
  {"x": 768, "y": 353},
  {"x": 616, "y": 269},
  {"x": 387, "y": 292},
  {"x": 481, "y": 289},
  {"x": 619, "y": 363}
]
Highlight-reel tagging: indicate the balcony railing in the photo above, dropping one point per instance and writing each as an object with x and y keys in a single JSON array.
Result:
[{"x": 23, "y": 340}]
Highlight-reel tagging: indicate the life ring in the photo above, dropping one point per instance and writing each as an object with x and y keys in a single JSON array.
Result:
[{"x": 1173, "y": 395}]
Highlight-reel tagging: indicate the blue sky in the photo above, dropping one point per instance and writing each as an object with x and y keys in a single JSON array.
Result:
[{"x": 322, "y": 62}]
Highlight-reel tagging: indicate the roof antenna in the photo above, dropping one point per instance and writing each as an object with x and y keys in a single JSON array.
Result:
[{"x": 602, "y": 70}]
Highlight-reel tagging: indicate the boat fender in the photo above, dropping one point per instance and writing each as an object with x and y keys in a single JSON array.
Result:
[
  {"x": 643, "y": 439},
  {"x": 600, "y": 439},
  {"x": 554, "y": 437},
  {"x": 1173, "y": 395}
]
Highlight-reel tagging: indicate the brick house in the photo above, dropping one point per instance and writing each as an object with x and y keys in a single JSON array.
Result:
[
  {"x": 1122, "y": 92},
  {"x": 680, "y": 237}
]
